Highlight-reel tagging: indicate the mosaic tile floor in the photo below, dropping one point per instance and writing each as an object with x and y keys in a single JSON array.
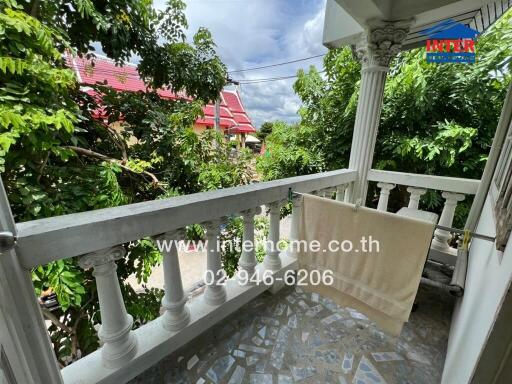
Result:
[{"x": 297, "y": 337}]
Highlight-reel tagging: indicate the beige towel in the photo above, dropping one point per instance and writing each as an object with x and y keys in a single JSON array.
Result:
[{"x": 381, "y": 284}]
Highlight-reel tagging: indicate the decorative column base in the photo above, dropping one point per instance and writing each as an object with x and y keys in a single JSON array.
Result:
[
  {"x": 441, "y": 238},
  {"x": 176, "y": 316},
  {"x": 273, "y": 262},
  {"x": 215, "y": 295},
  {"x": 119, "y": 348}
]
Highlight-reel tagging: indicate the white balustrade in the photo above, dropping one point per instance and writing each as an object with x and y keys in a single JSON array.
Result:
[
  {"x": 340, "y": 192},
  {"x": 414, "y": 196},
  {"x": 442, "y": 237},
  {"x": 385, "y": 189},
  {"x": 126, "y": 353},
  {"x": 176, "y": 315},
  {"x": 119, "y": 342},
  {"x": 248, "y": 260},
  {"x": 272, "y": 260},
  {"x": 215, "y": 291}
]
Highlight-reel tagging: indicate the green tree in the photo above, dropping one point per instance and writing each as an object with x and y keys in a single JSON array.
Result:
[
  {"x": 265, "y": 130},
  {"x": 436, "y": 119},
  {"x": 56, "y": 158}
]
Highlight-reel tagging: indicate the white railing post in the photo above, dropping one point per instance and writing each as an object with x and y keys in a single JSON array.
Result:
[
  {"x": 272, "y": 260},
  {"x": 119, "y": 342},
  {"x": 385, "y": 189},
  {"x": 340, "y": 192},
  {"x": 295, "y": 225},
  {"x": 215, "y": 291},
  {"x": 27, "y": 347},
  {"x": 442, "y": 237},
  {"x": 248, "y": 260},
  {"x": 176, "y": 315},
  {"x": 414, "y": 196}
]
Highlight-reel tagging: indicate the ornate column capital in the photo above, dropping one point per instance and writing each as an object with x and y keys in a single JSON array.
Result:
[
  {"x": 102, "y": 257},
  {"x": 177, "y": 234},
  {"x": 385, "y": 187},
  {"x": 381, "y": 42},
  {"x": 453, "y": 197},
  {"x": 248, "y": 214}
]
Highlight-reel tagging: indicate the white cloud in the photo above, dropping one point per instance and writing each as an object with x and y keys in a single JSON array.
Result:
[{"x": 251, "y": 33}]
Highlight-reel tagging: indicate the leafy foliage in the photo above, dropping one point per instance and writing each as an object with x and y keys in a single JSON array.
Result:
[
  {"x": 64, "y": 151},
  {"x": 436, "y": 119},
  {"x": 265, "y": 130}
]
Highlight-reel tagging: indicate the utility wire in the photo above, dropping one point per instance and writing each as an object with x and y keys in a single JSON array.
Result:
[
  {"x": 277, "y": 65},
  {"x": 266, "y": 80}
]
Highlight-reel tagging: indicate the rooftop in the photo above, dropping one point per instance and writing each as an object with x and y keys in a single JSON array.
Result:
[{"x": 233, "y": 116}]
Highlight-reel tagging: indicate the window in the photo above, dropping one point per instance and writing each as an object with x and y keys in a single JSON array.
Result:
[{"x": 503, "y": 184}]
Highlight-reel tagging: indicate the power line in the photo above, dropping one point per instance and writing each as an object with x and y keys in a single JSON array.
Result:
[
  {"x": 277, "y": 65},
  {"x": 133, "y": 76},
  {"x": 269, "y": 79}
]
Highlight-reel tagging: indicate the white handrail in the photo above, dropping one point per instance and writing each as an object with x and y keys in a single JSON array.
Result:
[
  {"x": 42, "y": 241},
  {"x": 439, "y": 183}
]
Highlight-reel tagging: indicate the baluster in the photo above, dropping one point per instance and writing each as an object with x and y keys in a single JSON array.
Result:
[
  {"x": 442, "y": 237},
  {"x": 272, "y": 260},
  {"x": 119, "y": 342},
  {"x": 215, "y": 291},
  {"x": 295, "y": 225},
  {"x": 329, "y": 191},
  {"x": 177, "y": 314},
  {"x": 414, "y": 196},
  {"x": 340, "y": 192},
  {"x": 385, "y": 189},
  {"x": 248, "y": 260}
]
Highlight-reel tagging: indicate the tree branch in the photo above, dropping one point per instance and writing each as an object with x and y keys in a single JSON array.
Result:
[
  {"x": 50, "y": 316},
  {"x": 34, "y": 9},
  {"x": 119, "y": 141},
  {"x": 100, "y": 156}
]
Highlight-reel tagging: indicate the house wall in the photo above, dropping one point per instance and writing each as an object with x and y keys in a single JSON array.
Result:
[
  {"x": 199, "y": 128},
  {"x": 488, "y": 279}
]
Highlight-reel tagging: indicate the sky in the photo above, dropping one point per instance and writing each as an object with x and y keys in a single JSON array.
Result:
[{"x": 253, "y": 33}]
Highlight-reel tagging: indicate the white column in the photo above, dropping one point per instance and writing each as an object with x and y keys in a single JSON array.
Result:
[
  {"x": 248, "y": 260},
  {"x": 119, "y": 343},
  {"x": 385, "y": 189},
  {"x": 215, "y": 291},
  {"x": 414, "y": 196},
  {"x": 340, "y": 192},
  {"x": 375, "y": 50},
  {"x": 272, "y": 260},
  {"x": 176, "y": 314},
  {"x": 442, "y": 237},
  {"x": 295, "y": 224}
]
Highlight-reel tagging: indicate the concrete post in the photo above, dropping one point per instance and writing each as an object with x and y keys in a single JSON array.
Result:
[
  {"x": 442, "y": 237},
  {"x": 272, "y": 260},
  {"x": 385, "y": 189},
  {"x": 215, "y": 291},
  {"x": 375, "y": 50},
  {"x": 176, "y": 314},
  {"x": 119, "y": 343}
]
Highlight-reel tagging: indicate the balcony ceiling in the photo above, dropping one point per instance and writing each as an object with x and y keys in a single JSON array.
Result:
[{"x": 346, "y": 19}]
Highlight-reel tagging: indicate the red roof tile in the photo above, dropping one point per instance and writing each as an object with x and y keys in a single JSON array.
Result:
[{"x": 126, "y": 78}]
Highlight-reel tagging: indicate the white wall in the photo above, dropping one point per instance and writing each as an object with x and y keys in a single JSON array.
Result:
[{"x": 488, "y": 279}]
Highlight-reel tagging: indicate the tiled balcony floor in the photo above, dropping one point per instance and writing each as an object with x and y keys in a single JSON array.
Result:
[{"x": 297, "y": 337}]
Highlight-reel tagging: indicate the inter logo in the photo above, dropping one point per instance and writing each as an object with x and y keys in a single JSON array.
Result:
[{"x": 451, "y": 42}]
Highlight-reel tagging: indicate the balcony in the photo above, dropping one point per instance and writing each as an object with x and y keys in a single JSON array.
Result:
[{"x": 310, "y": 332}]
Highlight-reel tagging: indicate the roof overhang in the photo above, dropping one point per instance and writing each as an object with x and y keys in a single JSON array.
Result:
[{"x": 345, "y": 20}]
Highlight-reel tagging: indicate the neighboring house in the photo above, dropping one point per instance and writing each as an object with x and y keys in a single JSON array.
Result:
[{"x": 234, "y": 119}]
